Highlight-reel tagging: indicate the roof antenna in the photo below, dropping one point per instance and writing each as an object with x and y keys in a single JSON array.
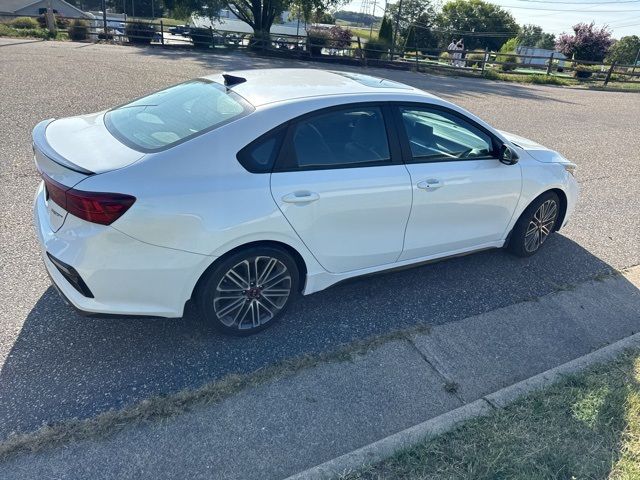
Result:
[{"x": 232, "y": 80}]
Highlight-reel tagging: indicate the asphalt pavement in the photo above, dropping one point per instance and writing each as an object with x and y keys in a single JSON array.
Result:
[
  {"x": 297, "y": 421},
  {"x": 55, "y": 364}
]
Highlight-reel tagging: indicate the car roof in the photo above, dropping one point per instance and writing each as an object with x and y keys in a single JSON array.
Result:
[{"x": 262, "y": 86}]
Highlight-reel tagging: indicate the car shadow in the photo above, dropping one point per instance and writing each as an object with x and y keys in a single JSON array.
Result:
[{"x": 63, "y": 365}]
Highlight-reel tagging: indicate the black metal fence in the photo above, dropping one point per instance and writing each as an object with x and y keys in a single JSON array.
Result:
[{"x": 354, "y": 52}]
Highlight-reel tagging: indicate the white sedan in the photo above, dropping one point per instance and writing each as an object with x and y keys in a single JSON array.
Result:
[{"x": 241, "y": 190}]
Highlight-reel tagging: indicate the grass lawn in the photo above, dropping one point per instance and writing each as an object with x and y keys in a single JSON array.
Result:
[
  {"x": 585, "y": 427},
  {"x": 364, "y": 32}
]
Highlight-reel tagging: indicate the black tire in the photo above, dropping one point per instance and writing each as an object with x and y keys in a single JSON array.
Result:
[
  {"x": 234, "y": 295},
  {"x": 535, "y": 221}
]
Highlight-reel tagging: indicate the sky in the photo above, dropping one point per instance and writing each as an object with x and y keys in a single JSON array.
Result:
[{"x": 557, "y": 16}]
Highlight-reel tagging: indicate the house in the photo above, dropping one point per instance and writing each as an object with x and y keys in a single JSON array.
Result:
[
  {"x": 543, "y": 55},
  {"x": 34, "y": 8}
]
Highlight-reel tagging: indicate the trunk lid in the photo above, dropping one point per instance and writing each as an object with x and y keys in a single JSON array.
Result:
[{"x": 69, "y": 150}]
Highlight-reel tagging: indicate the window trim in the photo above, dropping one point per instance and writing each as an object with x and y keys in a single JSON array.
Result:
[
  {"x": 405, "y": 146},
  {"x": 284, "y": 161}
]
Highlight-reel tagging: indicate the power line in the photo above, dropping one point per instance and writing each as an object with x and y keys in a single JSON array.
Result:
[
  {"x": 578, "y": 3},
  {"x": 570, "y": 11}
]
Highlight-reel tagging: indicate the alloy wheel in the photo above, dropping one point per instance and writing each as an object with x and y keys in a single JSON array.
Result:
[
  {"x": 252, "y": 292},
  {"x": 540, "y": 225}
]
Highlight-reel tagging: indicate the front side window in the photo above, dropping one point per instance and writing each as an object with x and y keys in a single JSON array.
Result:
[
  {"x": 342, "y": 138},
  {"x": 175, "y": 114},
  {"x": 436, "y": 135}
]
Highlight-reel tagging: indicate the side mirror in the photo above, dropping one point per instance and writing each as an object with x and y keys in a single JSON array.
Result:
[{"x": 507, "y": 155}]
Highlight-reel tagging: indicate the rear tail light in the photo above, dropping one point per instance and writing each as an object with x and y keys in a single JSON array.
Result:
[{"x": 96, "y": 207}]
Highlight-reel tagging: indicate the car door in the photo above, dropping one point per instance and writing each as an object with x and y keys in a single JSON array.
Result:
[
  {"x": 463, "y": 196},
  {"x": 340, "y": 182}
]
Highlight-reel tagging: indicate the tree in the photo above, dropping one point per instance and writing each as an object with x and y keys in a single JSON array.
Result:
[
  {"x": 533, "y": 36},
  {"x": 258, "y": 14},
  {"x": 625, "y": 50},
  {"x": 420, "y": 36},
  {"x": 386, "y": 31},
  {"x": 415, "y": 22},
  {"x": 587, "y": 42},
  {"x": 474, "y": 21}
]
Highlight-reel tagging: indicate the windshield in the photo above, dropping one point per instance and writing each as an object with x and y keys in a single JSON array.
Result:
[{"x": 173, "y": 115}]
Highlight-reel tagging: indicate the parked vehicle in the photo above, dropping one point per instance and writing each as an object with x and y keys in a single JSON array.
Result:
[
  {"x": 241, "y": 190},
  {"x": 179, "y": 30}
]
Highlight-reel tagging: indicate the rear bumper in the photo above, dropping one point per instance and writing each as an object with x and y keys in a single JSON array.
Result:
[{"x": 125, "y": 276}]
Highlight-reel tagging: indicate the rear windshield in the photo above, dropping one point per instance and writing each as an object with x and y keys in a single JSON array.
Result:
[{"x": 171, "y": 116}]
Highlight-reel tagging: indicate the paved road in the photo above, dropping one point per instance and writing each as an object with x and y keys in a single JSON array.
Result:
[{"x": 55, "y": 364}]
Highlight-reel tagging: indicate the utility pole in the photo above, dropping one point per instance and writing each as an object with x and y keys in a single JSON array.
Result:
[
  {"x": 633, "y": 69},
  {"x": 395, "y": 30},
  {"x": 104, "y": 18},
  {"x": 372, "y": 19},
  {"x": 50, "y": 18}
]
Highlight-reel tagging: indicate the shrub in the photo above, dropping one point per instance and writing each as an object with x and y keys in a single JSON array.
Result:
[
  {"x": 339, "y": 37},
  {"x": 508, "y": 62},
  {"x": 78, "y": 30},
  {"x": 445, "y": 56},
  {"x": 105, "y": 36},
  {"x": 376, "y": 49},
  {"x": 317, "y": 39},
  {"x": 24, "y": 22},
  {"x": 583, "y": 71},
  {"x": 474, "y": 59},
  {"x": 7, "y": 31},
  {"x": 139, "y": 32},
  {"x": 547, "y": 80}
]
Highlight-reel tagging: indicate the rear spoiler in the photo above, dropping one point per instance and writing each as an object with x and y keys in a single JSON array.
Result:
[{"x": 40, "y": 142}]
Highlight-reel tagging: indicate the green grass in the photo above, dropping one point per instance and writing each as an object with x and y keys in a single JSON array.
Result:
[
  {"x": 585, "y": 427},
  {"x": 364, "y": 33},
  {"x": 635, "y": 86},
  {"x": 539, "y": 79}
]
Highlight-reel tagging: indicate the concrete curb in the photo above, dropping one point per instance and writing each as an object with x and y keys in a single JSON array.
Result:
[{"x": 384, "y": 448}]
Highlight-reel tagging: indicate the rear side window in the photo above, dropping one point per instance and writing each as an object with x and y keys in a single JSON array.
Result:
[
  {"x": 259, "y": 155},
  {"x": 349, "y": 137},
  {"x": 171, "y": 116}
]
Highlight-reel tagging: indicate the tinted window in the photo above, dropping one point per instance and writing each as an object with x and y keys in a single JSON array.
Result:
[
  {"x": 339, "y": 138},
  {"x": 167, "y": 117},
  {"x": 439, "y": 135},
  {"x": 258, "y": 156}
]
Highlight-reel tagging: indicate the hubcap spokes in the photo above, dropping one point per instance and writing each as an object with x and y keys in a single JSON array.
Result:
[
  {"x": 252, "y": 292},
  {"x": 540, "y": 225}
]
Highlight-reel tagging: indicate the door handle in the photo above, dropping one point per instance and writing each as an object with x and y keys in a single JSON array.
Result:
[
  {"x": 301, "y": 197},
  {"x": 430, "y": 184}
]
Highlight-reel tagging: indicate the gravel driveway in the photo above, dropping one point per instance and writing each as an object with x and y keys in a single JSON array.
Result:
[{"x": 55, "y": 364}]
